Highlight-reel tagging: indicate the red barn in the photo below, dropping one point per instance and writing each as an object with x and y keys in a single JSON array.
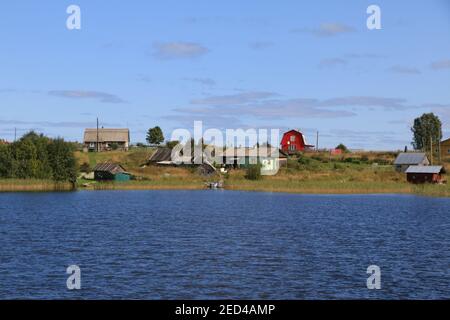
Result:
[{"x": 294, "y": 141}]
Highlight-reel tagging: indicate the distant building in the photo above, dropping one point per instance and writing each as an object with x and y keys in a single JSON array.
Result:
[
  {"x": 161, "y": 156},
  {"x": 242, "y": 157},
  {"x": 294, "y": 141},
  {"x": 445, "y": 148},
  {"x": 270, "y": 158},
  {"x": 424, "y": 174},
  {"x": 406, "y": 159},
  {"x": 3, "y": 142},
  {"x": 110, "y": 171},
  {"x": 108, "y": 139}
]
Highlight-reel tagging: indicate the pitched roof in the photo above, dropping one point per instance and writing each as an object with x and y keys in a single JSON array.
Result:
[
  {"x": 251, "y": 152},
  {"x": 107, "y": 135},
  {"x": 109, "y": 167},
  {"x": 161, "y": 154},
  {"x": 425, "y": 169},
  {"x": 411, "y": 158},
  {"x": 445, "y": 141}
]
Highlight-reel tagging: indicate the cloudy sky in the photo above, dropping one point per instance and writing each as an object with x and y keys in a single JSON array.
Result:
[{"x": 233, "y": 64}]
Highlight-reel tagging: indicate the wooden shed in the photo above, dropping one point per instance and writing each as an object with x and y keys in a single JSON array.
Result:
[
  {"x": 424, "y": 174},
  {"x": 161, "y": 156},
  {"x": 110, "y": 171},
  {"x": 406, "y": 159}
]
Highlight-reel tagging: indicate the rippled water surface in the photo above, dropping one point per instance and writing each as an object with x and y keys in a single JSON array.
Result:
[{"x": 223, "y": 244}]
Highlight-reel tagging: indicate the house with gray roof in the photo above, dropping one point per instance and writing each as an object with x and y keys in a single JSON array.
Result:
[
  {"x": 406, "y": 159},
  {"x": 111, "y": 171},
  {"x": 103, "y": 139}
]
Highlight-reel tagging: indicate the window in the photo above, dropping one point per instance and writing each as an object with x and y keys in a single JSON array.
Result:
[
  {"x": 448, "y": 151},
  {"x": 292, "y": 138}
]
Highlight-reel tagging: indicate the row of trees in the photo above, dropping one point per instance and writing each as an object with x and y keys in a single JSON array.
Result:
[{"x": 35, "y": 156}]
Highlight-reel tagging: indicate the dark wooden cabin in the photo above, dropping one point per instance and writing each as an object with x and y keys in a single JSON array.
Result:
[{"x": 424, "y": 174}]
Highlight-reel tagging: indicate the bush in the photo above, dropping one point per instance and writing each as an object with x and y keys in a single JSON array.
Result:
[
  {"x": 253, "y": 172},
  {"x": 342, "y": 147},
  {"x": 172, "y": 144},
  {"x": 85, "y": 167},
  {"x": 304, "y": 160},
  {"x": 114, "y": 146}
]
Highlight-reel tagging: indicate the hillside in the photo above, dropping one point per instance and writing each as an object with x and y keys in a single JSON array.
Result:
[{"x": 364, "y": 172}]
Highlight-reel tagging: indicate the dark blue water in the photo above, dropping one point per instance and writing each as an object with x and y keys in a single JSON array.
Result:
[{"x": 223, "y": 244}]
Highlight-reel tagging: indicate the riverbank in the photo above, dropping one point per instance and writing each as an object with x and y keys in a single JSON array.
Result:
[
  {"x": 269, "y": 185},
  {"x": 32, "y": 185},
  {"x": 314, "y": 173}
]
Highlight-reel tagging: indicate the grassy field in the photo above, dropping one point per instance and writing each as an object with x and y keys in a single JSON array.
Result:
[{"x": 369, "y": 172}]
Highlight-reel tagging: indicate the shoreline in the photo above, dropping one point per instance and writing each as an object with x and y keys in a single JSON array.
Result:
[{"x": 253, "y": 186}]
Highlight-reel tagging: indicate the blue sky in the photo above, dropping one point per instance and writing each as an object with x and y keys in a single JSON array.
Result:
[{"x": 233, "y": 64}]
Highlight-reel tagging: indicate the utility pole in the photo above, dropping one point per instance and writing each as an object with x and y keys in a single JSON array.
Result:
[
  {"x": 317, "y": 141},
  {"x": 439, "y": 150},
  {"x": 15, "y": 134},
  {"x": 431, "y": 149},
  {"x": 97, "y": 137}
]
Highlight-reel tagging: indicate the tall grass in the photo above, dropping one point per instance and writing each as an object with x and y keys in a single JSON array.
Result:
[{"x": 32, "y": 185}]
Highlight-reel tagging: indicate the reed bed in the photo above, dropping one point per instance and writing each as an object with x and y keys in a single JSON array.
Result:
[{"x": 31, "y": 185}]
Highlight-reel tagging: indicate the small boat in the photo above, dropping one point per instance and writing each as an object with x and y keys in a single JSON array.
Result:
[{"x": 214, "y": 185}]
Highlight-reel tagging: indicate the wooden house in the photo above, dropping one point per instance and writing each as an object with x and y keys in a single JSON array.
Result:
[
  {"x": 294, "y": 141},
  {"x": 445, "y": 148},
  {"x": 424, "y": 174},
  {"x": 268, "y": 157},
  {"x": 110, "y": 171},
  {"x": 106, "y": 139},
  {"x": 406, "y": 159}
]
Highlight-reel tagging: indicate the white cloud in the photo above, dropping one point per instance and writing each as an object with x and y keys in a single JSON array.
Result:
[
  {"x": 85, "y": 94},
  {"x": 404, "y": 70},
  {"x": 327, "y": 30},
  {"x": 178, "y": 50},
  {"x": 440, "y": 65}
]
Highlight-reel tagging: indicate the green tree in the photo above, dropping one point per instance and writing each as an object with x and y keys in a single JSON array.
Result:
[
  {"x": 155, "y": 136},
  {"x": 342, "y": 147},
  {"x": 62, "y": 160},
  {"x": 172, "y": 144},
  {"x": 426, "y": 129},
  {"x": 26, "y": 162},
  {"x": 43, "y": 169},
  {"x": 6, "y": 161}
]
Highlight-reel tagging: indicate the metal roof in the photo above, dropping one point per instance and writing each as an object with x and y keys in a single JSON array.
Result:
[
  {"x": 161, "y": 154},
  {"x": 411, "y": 158},
  {"x": 424, "y": 169},
  {"x": 107, "y": 135}
]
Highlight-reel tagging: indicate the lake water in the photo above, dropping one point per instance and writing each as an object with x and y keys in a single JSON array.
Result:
[{"x": 223, "y": 244}]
